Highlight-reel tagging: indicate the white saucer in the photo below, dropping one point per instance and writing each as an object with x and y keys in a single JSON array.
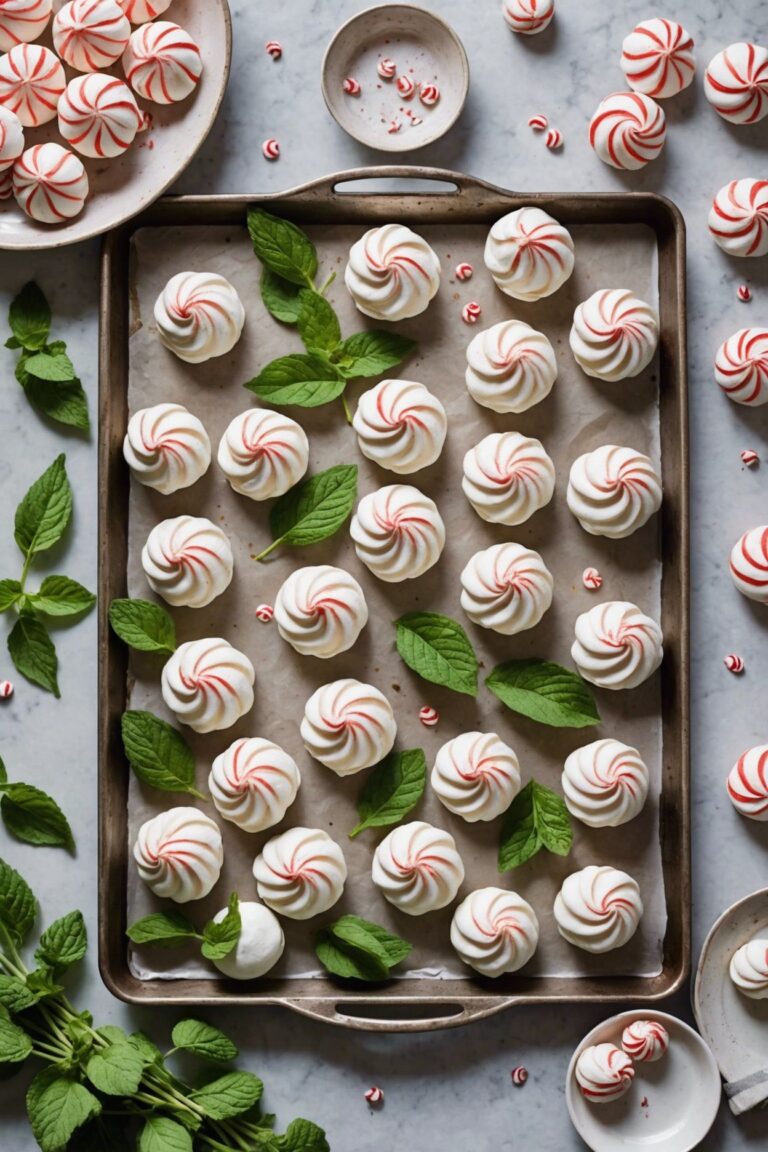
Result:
[{"x": 672, "y": 1103}]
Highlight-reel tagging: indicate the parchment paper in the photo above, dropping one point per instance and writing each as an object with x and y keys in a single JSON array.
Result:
[{"x": 579, "y": 415}]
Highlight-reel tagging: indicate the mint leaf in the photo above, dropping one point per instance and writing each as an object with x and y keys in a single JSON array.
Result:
[
  {"x": 545, "y": 692},
  {"x": 371, "y": 353},
  {"x": 34, "y": 817},
  {"x": 537, "y": 818},
  {"x": 158, "y": 753},
  {"x": 220, "y": 938},
  {"x": 315, "y": 508},
  {"x": 148, "y": 1051},
  {"x": 204, "y": 1040},
  {"x": 61, "y": 596},
  {"x": 229, "y": 1096},
  {"x": 15, "y": 995},
  {"x": 33, "y": 654},
  {"x": 438, "y": 649},
  {"x": 116, "y": 1070},
  {"x": 165, "y": 928},
  {"x": 63, "y": 401},
  {"x": 10, "y": 593},
  {"x": 553, "y": 821},
  {"x": 392, "y": 790},
  {"x": 318, "y": 323},
  {"x": 281, "y": 298},
  {"x": 366, "y": 935},
  {"x": 63, "y": 943},
  {"x": 160, "y": 1134},
  {"x": 348, "y": 962},
  {"x": 303, "y": 1136},
  {"x": 283, "y": 247},
  {"x": 15, "y": 1045},
  {"x": 55, "y": 368},
  {"x": 3, "y": 772},
  {"x": 57, "y": 1106},
  {"x": 18, "y": 906},
  {"x": 306, "y": 381},
  {"x": 44, "y": 513},
  {"x": 29, "y": 317},
  {"x": 143, "y": 625},
  {"x": 42, "y": 985}
]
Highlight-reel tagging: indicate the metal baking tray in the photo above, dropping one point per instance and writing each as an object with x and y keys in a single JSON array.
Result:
[{"x": 424, "y": 198}]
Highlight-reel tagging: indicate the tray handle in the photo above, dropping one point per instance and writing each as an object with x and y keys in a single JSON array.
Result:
[
  {"x": 455, "y": 185},
  {"x": 386, "y": 1015}
]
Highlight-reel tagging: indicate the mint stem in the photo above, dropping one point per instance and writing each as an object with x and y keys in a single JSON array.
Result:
[
  {"x": 345, "y": 406},
  {"x": 263, "y": 555},
  {"x": 326, "y": 285}
]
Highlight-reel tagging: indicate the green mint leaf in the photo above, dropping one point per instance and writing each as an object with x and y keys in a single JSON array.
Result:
[
  {"x": 44, "y": 513},
  {"x": 165, "y": 928},
  {"x": 392, "y": 790},
  {"x": 79, "y": 1032},
  {"x": 438, "y": 649},
  {"x": 220, "y": 938},
  {"x": 371, "y": 353},
  {"x": 12, "y": 342},
  {"x": 61, "y": 596},
  {"x": 318, "y": 323},
  {"x": 370, "y": 937},
  {"x": 57, "y": 1106},
  {"x": 553, "y": 821},
  {"x": 18, "y": 906},
  {"x": 56, "y": 368},
  {"x": 281, "y": 298},
  {"x": 160, "y": 1134},
  {"x": 10, "y": 593},
  {"x": 148, "y": 1051},
  {"x": 116, "y": 1070},
  {"x": 15, "y": 996},
  {"x": 229, "y": 1096},
  {"x": 143, "y": 625},
  {"x": 15, "y": 1045},
  {"x": 348, "y": 962},
  {"x": 64, "y": 943},
  {"x": 158, "y": 753},
  {"x": 520, "y": 838},
  {"x": 34, "y": 817},
  {"x": 315, "y": 508},
  {"x": 3, "y": 772},
  {"x": 283, "y": 247},
  {"x": 33, "y": 654},
  {"x": 306, "y": 381},
  {"x": 65, "y": 402},
  {"x": 303, "y": 1136},
  {"x": 545, "y": 692},
  {"x": 29, "y": 317},
  {"x": 42, "y": 984},
  {"x": 204, "y": 1040}
]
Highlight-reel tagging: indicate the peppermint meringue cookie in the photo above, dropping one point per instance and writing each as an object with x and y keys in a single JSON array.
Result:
[
  {"x": 400, "y": 425},
  {"x": 736, "y": 83},
  {"x": 392, "y": 273},
  {"x": 528, "y": 254},
  {"x": 657, "y": 58},
  {"x": 162, "y": 62},
  {"x": 749, "y": 564},
  {"x": 510, "y": 367},
  {"x": 259, "y": 946},
  {"x": 747, "y": 783},
  {"x": 749, "y": 969},
  {"x": 506, "y": 588},
  {"x": 613, "y": 491},
  {"x": 98, "y": 116},
  {"x": 199, "y": 315},
  {"x": 179, "y": 854},
  {"x": 348, "y": 726},
  {"x": 494, "y": 931},
  {"x": 263, "y": 453},
  {"x": 417, "y": 868},
  {"x": 738, "y": 218},
  {"x": 741, "y": 367},
  {"x": 603, "y": 1073},
  {"x": 11, "y": 139},
  {"x": 188, "y": 561},
  {"x": 476, "y": 776},
  {"x": 628, "y": 130},
  {"x": 166, "y": 448},
  {"x": 140, "y": 11},
  {"x": 22, "y": 21},
  {"x": 398, "y": 533},
  {"x": 598, "y": 909},
  {"x": 645, "y": 1041},
  {"x": 31, "y": 82},
  {"x": 90, "y": 34},
  {"x": 614, "y": 334},
  {"x": 605, "y": 783},
  {"x": 300, "y": 873},
  {"x": 253, "y": 783},
  {"x": 50, "y": 183},
  {"x": 528, "y": 17},
  {"x": 617, "y": 646},
  {"x": 320, "y": 611},
  {"x": 208, "y": 684},
  {"x": 508, "y": 477}
]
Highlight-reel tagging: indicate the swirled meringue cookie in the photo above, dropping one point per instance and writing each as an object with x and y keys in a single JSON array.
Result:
[
  {"x": 613, "y": 491},
  {"x": 476, "y": 776},
  {"x": 300, "y": 873},
  {"x": 510, "y": 367},
  {"x": 98, "y": 116},
  {"x": 208, "y": 684},
  {"x": 417, "y": 868},
  {"x": 253, "y": 783},
  {"x": 162, "y": 62},
  {"x": 348, "y": 726},
  {"x": 528, "y": 17},
  {"x": 392, "y": 273},
  {"x": 400, "y": 425},
  {"x": 528, "y": 254},
  {"x": 657, "y": 58},
  {"x": 259, "y": 945},
  {"x": 749, "y": 564},
  {"x": 166, "y": 447},
  {"x": 738, "y": 218},
  {"x": 199, "y": 315},
  {"x": 263, "y": 453},
  {"x": 22, "y": 21},
  {"x": 398, "y": 533},
  {"x": 494, "y": 931},
  {"x": 320, "y": 611},
  {"x": 749, "y": 969},
  {"x": 598, "y": 909},
  {"x": 508, "y": 477},
  {"x": 506, "y": 588},
  {"x": 614, "y": 334},
  {"x": 747, "y": 783},
  {"x": 736, "y": 83},
  {"x": 645, "y": 1040},
  {"x": 617, "y": 646},
  {"x": 90, "y": 34},
  {"x": 11, "y": 141},
  {"x": 188, "y": 561},
  {"x": 628, "y": 130},
  {"x": 179, "y": 854},
  {"x": 603, "y": 1073},
  {"x": 605, "y": 783},
  {"x": 741, "y": 367}
]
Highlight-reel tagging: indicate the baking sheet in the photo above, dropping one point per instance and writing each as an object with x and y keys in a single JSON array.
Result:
[{"x": 580, "y": 414}]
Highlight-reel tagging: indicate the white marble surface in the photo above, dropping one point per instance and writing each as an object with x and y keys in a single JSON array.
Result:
[{"x": 451, "y": 1090}]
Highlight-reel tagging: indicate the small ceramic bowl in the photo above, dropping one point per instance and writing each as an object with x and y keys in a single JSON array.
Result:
[{"x": 424, "y": 51}]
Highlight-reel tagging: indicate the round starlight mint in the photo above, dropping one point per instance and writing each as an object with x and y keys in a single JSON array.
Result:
[
  {"x": 392, "y": 273},
  {"x": 508, "y": 477},
  {"x": 179, "y": 854},
  {"x": 263, "y": 453},
  {"x": 510, "y": 367},
  {"x": 476, "y": 776},
  {"x": 506, "y": 588},
  {"x": 617, "y": 646},
  {"x": 320, "y": 611},
  {"x": 657, "y": 58},
  {"x": 300, "y": 873},
  {"x": 614, "y": 334},
  {"x": 188, "y": 561},
  {"x": 348, "y": 726},
  {"x": 400, "y": 425},
  {"x": 749, "y": 564},
  {"x": 253, "y": 783},
  {"x": 741, "y": 367},
  {"x": 162, "y": 62},
  {"x": 598, "y": 909},
  {"x": 417, "y": 868},
  {"x": 528, "y": 254},
  {"x": 605, "y": 783},
  {"x": 738, "y": 218},
  {"x": 494, "y": 931},
  {"x": 166, "y": 447}
]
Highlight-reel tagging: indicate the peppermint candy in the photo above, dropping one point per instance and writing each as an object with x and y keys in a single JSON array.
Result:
[
  {"x": 734, "y": 663},
  {"x": 351, "y": 86},
  {"x": 471, "y": 312},
  {"x": 463, "y": 271},
  {"x": 405, "y": 87},
  {"x": 429, "y": 716},
  {"x": 429, "y": 94},
  {"x": 554, "y": 139},
  {"x": 394, "y": 126},
  {"x": 270, "y": 149},
  {"x": 6, "y": 689},
  {"x": 264, "y": 613},
  {"x": 749, "y": 457},
  {"x": 386, "y": 68},
  {"x": 519, "y": 1076},
  {"x": 375, "y": 1095},
  {"x": 591, "y": 579},
  {"x": 539, "y": 123},
  {"x": 744, "y": 294},
  {"x": 274, "y": 49}
]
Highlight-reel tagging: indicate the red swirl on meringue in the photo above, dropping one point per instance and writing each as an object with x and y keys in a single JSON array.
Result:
[
  {"x": 398, "y": 533},
  {"x": 166, "y": 447},
  {"x": 508, "y": 477},
  {"x": 598, "y": 909},
  {"x": 657, "y": 58},
  {"x": 300, "y": 873},
  {"x": 528, "y": 17},
  {"x": 747, "y": 783},
  {"x": 741, "y": 367},
  {"x": 749, "y": 564},
  {"x": 506, "y": 588},
  {"x": 22, "y": 21},
  {"x": 645, "y": 1041},
  {"x": 613, "y": 491},
  {"x": 392, "y": 273},
  {"x": 628, "y": 130},
  {"x": 495, "y": 931},
  {"x": 90, "y": 34},
  {"x": 603, "y": 1073},
  {"x": 738, "y": 218},
  {"x": 50, "y": 183},
  {"x": 417, "y": 868},
  {"x": 253, "y": 783},
  {"x": 400, "y": 425},
  {"x": 617, "y": 646},
  {"x": 528, "y": 254},
  {"x": 614, "y": 334},
  {"x": 320, "y": 611},
  {"x": 263, "y": 453},
  {"x": 605, "y": 783},
  {"x": 476, "y": 776},
  {"x": 348, "y": 726},
  {"x": 736, "y": 83},
  {"x": 188, "y": 561},
  {"x": 31, "y": 83},
  {"x": 179, "y": 854},
  {"x": 162, "y": 62},
  {"x": 98, "y": 116}
]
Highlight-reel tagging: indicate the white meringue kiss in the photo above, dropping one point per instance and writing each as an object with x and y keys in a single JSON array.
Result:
[
  {"x": 628, "y": 130},
  {"x": 300, "y": 873},
  {"x": 645, "y": 1040},
  {"x": 747, "y": 783},
  {"x": 208, "y": 684},
  {"x": 494, "y": 931},
  {"x": 605, "y": 783},
  {"x": 11, "y": 140},
  {"x": 598, "y": 909},
  {"x": 199, "y": 315},
  {"x": 738, "y": 218},
  {"x": 506, "y": 588},
  {"x": 22, "y": 21},
  {"x": 613, "y": 491},
  {"x": 617, "y": 646},
  {"x": 348, "y": 726},
  {"x": 253, "y": 783},
  {"x": 749, "y": 564},
  {"x": 392, "y": 273},
  {"x": 398, "y": 532},
  {"x": 508, "y": 477},
  {"x": 736, "y": 83},
  {"x": 90, "y": 34},
  {"x": 166, "y": 447},
  {"x": 98, "y": 116},
  {"x": 614, "y": 334},
  {"x": 417, "y": 868},
  {"x": 179, "y": 854},
  {"x": 510, "y": 367},
  {"x": 603, "y": 1073},
  {"x": 741, "y": 367},
  {"x": 476, "y": 776},
  {"x": 657, "y": 58},
  {"x": 528, "y": 17},
  {"x": 320, "y": 611},
  {"x": 528, "y": 254},
  {"x": 400, "y": 425},
  {"x": 749, "y": 969},
  {"x": 162, "y": 62},
  {"x": 188, "y": 561},
  {"x": 259, "y": 945},
  {"x": 263, "y": 453}
]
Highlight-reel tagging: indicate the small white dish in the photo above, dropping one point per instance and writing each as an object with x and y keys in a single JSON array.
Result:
[
  {"x": 672, "y": 1103},
  {"x": 425, "y": 50},
  {"x": 735, "y": 1027}
]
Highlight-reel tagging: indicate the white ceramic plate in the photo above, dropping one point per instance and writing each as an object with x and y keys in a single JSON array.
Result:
[
  {"x": 672, "y": 1103},
  {"x": 122, "y": 187},
  {"x": 735, "y": 1027}
]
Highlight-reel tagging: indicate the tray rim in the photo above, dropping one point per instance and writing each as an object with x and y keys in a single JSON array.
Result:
[{"x": 473, "y": 1000}]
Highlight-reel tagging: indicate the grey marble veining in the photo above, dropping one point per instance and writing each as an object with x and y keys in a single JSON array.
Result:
[{"x": 451, "y": 1090}]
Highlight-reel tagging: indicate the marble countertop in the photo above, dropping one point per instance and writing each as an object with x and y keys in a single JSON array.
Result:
[{"x": 431, "y": 1079}]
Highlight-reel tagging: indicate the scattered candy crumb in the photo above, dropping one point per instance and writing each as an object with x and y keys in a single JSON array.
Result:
[
  {"x": 271, "y": 149},
  {"x": 471, "y": 312},
  {"x": 734, "y": 663},
  {"x": 644, "y": 1102},
  {"x": 386, "y": 68},
  {"x": 264, "y": 613},
  {"x": 744, "y": 293},
  {"x": 749, "y": 457},
  {"x": 429, "y": 94},
  {"x": 375, "y": 1095},
  {"x": 6, "y": 689},
  {"x": 394, "y": 126},
  {"x": 464, "y": 271},
  {"x": 554, "y": 139},
  {"x": 519, "y": 1076},
  {"x": 274, "y": 48},
  {"x": 539, "y": 123},
  {"x": 591, "y": 578},
  {"x": 405, "y": 87},
  {"x": 429, "y": 716},
  {"x": 352, "y": 87}
]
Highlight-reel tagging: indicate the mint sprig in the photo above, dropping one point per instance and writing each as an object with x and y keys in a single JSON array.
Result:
[
  {"x": 392, "y": 790},
  {"x": 545, "y": 692},
  {"x": 313, "y": 509},
  {"x": 356, "y": 949},
  {"x": 44, "y": 370},
  {"x": 158, "y": 754},
  {"x": 31, "y": 815},
  {"x": 437, "y": 649},
  {"x": 536, "y": 819},
  {"x": 172, "y": 929}
]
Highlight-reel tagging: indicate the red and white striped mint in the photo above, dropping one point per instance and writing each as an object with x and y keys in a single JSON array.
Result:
[
  {"x": 274, "y": 49},
  {"x": 89, "y": 35},
  {"x": 264, "y": 613},
  {"x": 749, "y": 457},
  {"x": 628, "y": 130},
  {"x": 394, "y": 126},
  {"x": 657, "y": 58},
  {"x": 744, "y": 293},
  {"x": 429, "y": 94},
  {"x": 736, "y": 83},
  {"x": 749, "y": 564},
  {"x": 98, "y": 115},
  {"x": 591, "y": 579},
  {"x": 6, "y": 689},
  {"x": 554, "y": 139},
  {"x": 22, "y": 21},
  {"x": 386, "y": 68},
  {"x": 50, "y": 183},
  {"x": 140, "y": 11},
  {"x": 747, "y": 783},
  {"x": 406, "y": 87},
  {"x": 645, "y": 1040},
  {"x": 270, "y": 149},
  {"x": 734, "y": 663},
  {"x": 429, "y": 716},
  {"x": 11, "y": 139},
  {"x": 162, "y": 62},
  {"x": 738, "y": 218},
  {"x": 31, "y": 83},
  {"x": 741, "y": 367},
  {"x": 375, "y": 1095},
  {"x": 519, "y": 1076},
  {"x": 603, "y": 1072},
  {"x": 527, "y": 17},
  {"x": 351, "y": 86},
  {"x": 539, "y": 122},
  {"x": 463, "y": 271},
  {"x": 471, "y": 312}
]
